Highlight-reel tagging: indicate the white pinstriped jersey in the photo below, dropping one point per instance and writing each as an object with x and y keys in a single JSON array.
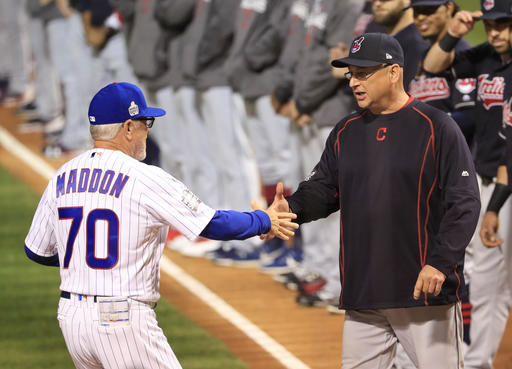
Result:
[{"x": 107, "y": 216}]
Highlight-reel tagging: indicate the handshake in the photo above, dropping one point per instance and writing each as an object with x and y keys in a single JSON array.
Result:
[{"x": 280, "y": 217}]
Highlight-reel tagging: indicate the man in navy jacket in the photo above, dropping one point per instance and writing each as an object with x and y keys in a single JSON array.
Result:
[{"x": 402, "y": 176}]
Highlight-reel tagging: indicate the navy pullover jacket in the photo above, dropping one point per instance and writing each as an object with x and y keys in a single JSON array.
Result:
[{"x": 407, "y": 192}]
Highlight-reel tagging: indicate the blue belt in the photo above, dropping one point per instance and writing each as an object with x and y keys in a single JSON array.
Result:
[{"x": 67, "y": 295}]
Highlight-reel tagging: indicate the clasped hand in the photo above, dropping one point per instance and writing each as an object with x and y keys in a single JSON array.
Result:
[
  {"x": 280, "y": 216},
  {"x": 282, "y": 225}
]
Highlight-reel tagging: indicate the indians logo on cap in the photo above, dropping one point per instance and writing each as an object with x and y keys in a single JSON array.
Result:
[
  {"x": 356, "y": 45},
  {"x": 488, "y": 4},
  {"x": 133, "y": 109}
]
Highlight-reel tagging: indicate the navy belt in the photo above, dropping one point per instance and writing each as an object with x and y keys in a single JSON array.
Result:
[{"x": 67, "y": 295}]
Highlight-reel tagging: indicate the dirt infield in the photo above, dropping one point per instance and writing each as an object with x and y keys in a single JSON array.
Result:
[{"x": 311, "y": 334}]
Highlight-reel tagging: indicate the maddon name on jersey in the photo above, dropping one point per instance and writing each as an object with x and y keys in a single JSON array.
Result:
[{"x": 97, "y": 181}]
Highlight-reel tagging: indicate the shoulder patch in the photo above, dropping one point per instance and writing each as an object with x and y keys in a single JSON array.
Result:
[{"x": 190, "y": 200}]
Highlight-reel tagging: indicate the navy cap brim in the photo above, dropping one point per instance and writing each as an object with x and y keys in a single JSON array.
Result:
[
  {"x": 152, "y": 112},
  {"x": 345, "y": 62},
  {"x": 428, "y": 3},
  {"x": 494, "y": 16}
]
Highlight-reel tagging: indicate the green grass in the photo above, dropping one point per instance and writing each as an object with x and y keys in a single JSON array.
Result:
[
  {"x": 477, "y": 35},
  {"x": 29, "y": 333}
]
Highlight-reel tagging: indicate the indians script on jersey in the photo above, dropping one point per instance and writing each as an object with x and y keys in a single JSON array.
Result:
[
  {"x": 427, "y": 89},
  {"x": 490, "y": 92}
]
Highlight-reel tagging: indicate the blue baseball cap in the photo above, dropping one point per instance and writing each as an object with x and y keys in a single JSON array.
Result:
[
  {"x": 118, "y": 102},
  {"x": 496, "y": 9}
]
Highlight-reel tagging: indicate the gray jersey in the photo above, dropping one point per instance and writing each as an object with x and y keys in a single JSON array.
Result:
[
  {"x": 207, "y": 41},
  {"x": 251, "y": 66},
  {"x": 295, "y": 33},
  {"x": 329, "y": 22}
]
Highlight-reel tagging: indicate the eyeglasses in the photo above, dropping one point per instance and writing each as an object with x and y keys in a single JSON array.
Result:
[
  {"x": 363, "y": 75},
  {"x": 425, "y": 10},
  {"x": 148, "y": 121}
]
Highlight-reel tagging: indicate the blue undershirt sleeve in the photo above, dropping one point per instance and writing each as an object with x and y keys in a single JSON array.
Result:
[
  {"x": 44, "y": 260},
  {"x": 233, "y": 225}
]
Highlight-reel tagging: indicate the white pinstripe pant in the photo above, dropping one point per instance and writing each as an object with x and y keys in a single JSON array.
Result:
[{"x": 139, "y": 344}]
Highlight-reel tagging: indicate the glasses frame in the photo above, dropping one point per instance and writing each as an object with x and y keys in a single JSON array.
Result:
[
  {"x": 363, "y": 76},
  {"x": 148, "y": 121}
]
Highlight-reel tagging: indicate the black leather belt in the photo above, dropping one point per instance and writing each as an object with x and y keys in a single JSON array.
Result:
[{"x": 67, "y": 295}]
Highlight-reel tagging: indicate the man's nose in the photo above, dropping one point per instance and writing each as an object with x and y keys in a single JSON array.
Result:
[{"x": 353, "y": 82}]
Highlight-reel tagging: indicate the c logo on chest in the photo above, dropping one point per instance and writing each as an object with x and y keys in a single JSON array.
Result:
[{"x": 381, "y": 133}]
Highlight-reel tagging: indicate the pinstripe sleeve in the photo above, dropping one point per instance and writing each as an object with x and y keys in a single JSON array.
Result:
[
  {"x": 41, "y": 235},
  {"x": 172, "y": 203}
]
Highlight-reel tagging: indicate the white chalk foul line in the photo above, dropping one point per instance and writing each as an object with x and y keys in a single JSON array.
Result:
[
  {"x": 37, "y": 164},
  {"x": 234, "y": 317},
  {"x": 270, "y": 345}
]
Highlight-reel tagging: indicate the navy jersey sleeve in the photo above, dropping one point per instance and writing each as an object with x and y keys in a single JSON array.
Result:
[
  {"x": 317, "y": 196},
  {"x": 459, "y": 194},
  {"x": 466, "y": 61}
]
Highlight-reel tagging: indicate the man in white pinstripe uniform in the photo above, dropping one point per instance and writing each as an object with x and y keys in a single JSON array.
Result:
[{"x": 104, "y": 218}]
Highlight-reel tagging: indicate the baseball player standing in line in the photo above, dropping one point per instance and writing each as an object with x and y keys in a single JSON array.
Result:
[
  {"x": 432, "y": 18},
  {"x": 453, "y": 96},
  {"x": 491, "y": 222},
  {"x": 315, "y": 104},
  {"x": 104, "y": 218},
  {"x": 206, "y": 44},
  {"x": 397, "y": 19},
  {"x": 489, "y": 293},
  {"x": 402, "y": 176}
]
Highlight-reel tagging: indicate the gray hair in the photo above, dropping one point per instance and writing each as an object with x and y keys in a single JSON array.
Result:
[{"x": 105, "y": 132}]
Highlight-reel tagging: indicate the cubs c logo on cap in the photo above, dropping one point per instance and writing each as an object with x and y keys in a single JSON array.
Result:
[
  {"x": 356, "y": 45},
  {"x": 488, "y": 4}
]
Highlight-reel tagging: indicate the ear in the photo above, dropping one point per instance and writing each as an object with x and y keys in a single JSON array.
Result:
[
  {"x": 395, "y": 73},
  {"x": 450, "y": 7},
  {"x": 129, "y": 128}
]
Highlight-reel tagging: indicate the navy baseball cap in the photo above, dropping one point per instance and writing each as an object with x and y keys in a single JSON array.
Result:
[
  {"x": 118, "y": 102},
  {"x": 496, "y": 9},
  {"x": 428, "y": 3},
  {"x": 372, "y": 49}
]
